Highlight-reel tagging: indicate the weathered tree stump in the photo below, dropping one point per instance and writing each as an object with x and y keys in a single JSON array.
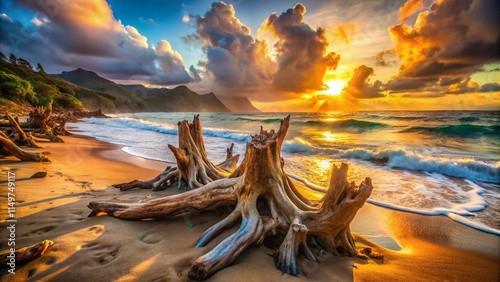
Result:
[
  {"x": 266, "y": 202},
  {"x": 194, "y": 169},
  {"x": 39, "y": 119}
]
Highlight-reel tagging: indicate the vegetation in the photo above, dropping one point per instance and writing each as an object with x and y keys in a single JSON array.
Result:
[{"x": 21, "y": 84}]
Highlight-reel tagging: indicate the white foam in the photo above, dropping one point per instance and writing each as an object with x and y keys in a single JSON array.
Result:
[
  {"x": 128, "y": 122},
  {"x": 411, "y": 160}
]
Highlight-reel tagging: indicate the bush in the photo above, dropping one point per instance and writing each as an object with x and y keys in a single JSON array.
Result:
[
  {"x": 45, "y": 93},
  {"x": 14, "y": 88}
]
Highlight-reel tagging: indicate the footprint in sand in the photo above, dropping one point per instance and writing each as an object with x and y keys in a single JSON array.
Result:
[
  {"x": 96, "y": 229},
  {"x": 106, "y": 256},
  {"x": 51, "y": 260},
  {"x": 32, "y": 272},
  {"x": 90, "y": 245},
  {"x": 39, "y": 231},
  {"x": 151, "y": 237}
]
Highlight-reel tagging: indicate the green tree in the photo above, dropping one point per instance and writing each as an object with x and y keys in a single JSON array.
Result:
[
  {"x": 14, "y": 88},
  {"x": 40, "y": 69},
  {"x": 24, "y": 63},
  {"x": 13, "y": 59}
]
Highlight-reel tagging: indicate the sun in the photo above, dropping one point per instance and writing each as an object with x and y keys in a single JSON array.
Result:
[{"x": 335, "y": 87}]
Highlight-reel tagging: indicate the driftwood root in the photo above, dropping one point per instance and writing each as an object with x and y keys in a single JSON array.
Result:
[{"x": 266, "y": 203}]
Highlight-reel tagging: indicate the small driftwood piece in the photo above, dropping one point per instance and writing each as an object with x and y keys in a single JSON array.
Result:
[
  {"x": 194, "y": 169},
  {"x": 266, "y": 203},
  {"x": 27, "y": 253}
]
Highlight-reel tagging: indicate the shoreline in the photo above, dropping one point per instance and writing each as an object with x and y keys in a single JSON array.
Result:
[{"x": 82, "y": 169}]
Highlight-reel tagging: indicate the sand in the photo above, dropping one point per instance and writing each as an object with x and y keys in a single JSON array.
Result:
[{"x": 109, "y": 249}]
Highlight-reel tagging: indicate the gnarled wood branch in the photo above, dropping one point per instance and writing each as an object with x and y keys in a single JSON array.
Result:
[
  {"x": 267, "y": 203},
  {"x": 21, "y": 139},
  {"x": 39, "y": 119},
  {"x": 194, "y": 169},
  {"x": 9, "y": 148}
]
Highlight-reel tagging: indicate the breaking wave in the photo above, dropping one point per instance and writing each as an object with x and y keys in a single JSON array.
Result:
[{"x": 126, "y": 122}]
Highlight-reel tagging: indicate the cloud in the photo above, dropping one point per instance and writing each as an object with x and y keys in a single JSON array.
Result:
[
  {"x": 344, "y": 32},
  {"x": 148, "y": 21},
  {"x": 464, "y": 86},
  {"x": 490, "y": 87},
  {"x": 300, "y": 52},
  {"x": 242, "y": 64},
  {"x": 234, "y": 57},
  {"x": 86, "y": 34},
  {"x": 195, "y": 73},
  {"x": 5, "y": 17},
  {"x": 410, "y": 8},
  {"x": 404, "y": 85},
  {"x": 360, "y": 87},
  {"x": 452, "y": 39},
  {"x": 383, "y": 62}
]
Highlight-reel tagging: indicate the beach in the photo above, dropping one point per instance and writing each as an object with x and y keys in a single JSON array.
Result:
[{"x": 104, "y": 248}]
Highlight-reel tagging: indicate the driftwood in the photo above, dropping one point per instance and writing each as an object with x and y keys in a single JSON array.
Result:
[
  {"x": 58, "y": 124},
  {"x": 27, "y": 253},
  {"x": 266, "y": 203},
  {"x": 21, "y": 138},
  {"x": 194, "y": 169},
  {"x": 39, "y": 119},
  {"x": 9, "y": 148}
]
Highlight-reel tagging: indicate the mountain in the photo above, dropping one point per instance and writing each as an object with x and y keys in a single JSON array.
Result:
[
  {"x": 238, "y": 104},
  {"x": 92, "y": 80},
  {"x": 178, "y": 99}
]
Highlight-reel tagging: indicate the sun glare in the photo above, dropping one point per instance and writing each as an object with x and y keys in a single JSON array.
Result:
[{"x": 334, "y": 87}]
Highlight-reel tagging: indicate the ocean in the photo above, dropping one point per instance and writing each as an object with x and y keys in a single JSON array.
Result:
[{"x": 430, "y": 163}]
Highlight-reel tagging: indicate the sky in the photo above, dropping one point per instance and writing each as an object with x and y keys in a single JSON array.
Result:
[{"x": 312, "y": 55}]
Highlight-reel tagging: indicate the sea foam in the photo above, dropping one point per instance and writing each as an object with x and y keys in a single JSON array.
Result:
[
  {"x": 410, "y": 160},
  {"x": 127, "y": 122}
]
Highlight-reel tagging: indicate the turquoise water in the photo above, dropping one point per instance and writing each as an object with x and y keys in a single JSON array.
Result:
[{"x": 431, "y": 163}]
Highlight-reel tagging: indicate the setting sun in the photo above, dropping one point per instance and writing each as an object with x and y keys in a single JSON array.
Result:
[{"x": 334, "y": 87}]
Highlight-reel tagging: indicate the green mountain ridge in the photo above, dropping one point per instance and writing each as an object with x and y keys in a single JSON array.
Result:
[
  {"x": 20, "y": 84},
  {"x": 91, "y": 80},
  {"x": 178, "y": 99}
]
